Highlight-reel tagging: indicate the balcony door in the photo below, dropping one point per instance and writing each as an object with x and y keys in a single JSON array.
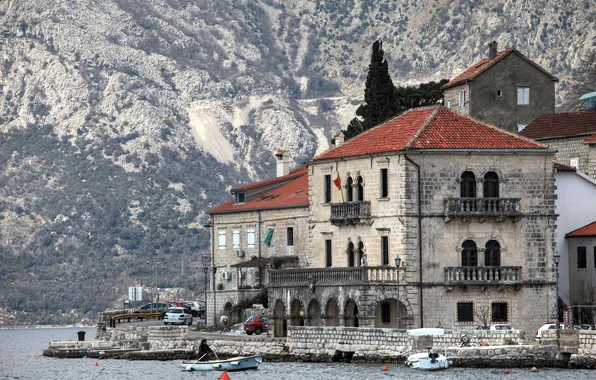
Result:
[
  {"x": 468, "y": 185},
  {"x": 350, "y": 254},
  {"x": 350, "y": 190},
  {"x": 492, "y": 255},
  {"x": 469, "y": 254}
]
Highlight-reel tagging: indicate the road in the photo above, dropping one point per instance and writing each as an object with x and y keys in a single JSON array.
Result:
[{"x": 203, "y": 334}]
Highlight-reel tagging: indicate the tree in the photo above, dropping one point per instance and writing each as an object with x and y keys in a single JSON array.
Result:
[
  {"x": 425, "y": 94},
  {"x": 379, "y": 95},
  {"x": 483, "y": 314}
]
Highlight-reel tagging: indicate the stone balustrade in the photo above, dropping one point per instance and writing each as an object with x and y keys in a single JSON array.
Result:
[
  {"x": 482, "y": 207},
  {"x": 349, "y": 212},
  {"x": 483, "y": 275},
  {"x": 359, "y": 275}
]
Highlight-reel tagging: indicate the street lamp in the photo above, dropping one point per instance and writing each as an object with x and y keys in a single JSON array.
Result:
[
  {"x": 398, "y": 264},
  {"x": 156, "y": 284},
  {"x": 557, "y": 258},
  {"x": 149, "y": 283},
  {"x": 205, "y": 270}
]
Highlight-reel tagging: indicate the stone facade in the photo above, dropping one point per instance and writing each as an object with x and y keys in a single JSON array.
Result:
[
  {"x": 483, "y": 101},
  {"x": 523, "y": 290},
  {"x": 244, "y": 283},
  {"x": 573, "y": 148}
]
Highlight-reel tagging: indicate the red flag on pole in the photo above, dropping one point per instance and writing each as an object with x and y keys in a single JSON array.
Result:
[{"x": 337, "y": 182}]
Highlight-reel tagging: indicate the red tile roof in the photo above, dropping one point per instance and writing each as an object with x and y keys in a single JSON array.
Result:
[
  {"x": 589, "y": 230},
  {"x": 271, "y": 181},
  {"x": 561, "y": 125},
  {"x": 561, "y": 167},
  {"x": 591, "y": 139},
  {"x": 482, "y": 65},
  {"x": 429, "y": 128},
  {"x": 291, "y": 194}
]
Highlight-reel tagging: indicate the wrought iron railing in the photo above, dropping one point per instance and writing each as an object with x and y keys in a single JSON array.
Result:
[
  {"x": 349, "y": 212},
  {"x": 483, "y": 275},
  {"x": 328, "y": 276},
  {"x": 482, "y": 207}
]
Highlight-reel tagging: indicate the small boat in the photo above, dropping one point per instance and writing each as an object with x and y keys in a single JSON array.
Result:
[
  {"x": 239, "y": 363},
  {"x": 428, "y": 360}
]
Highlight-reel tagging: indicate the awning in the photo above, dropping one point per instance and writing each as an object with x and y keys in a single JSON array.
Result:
[{"x": 426, "y": 332}]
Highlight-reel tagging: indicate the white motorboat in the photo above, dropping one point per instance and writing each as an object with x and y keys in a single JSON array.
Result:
[
  {"x": 239, "y": 363},
  {"x": 428, "y": 360}
]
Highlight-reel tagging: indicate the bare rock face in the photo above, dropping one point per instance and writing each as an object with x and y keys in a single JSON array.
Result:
[{"x": 125, "y": 120}]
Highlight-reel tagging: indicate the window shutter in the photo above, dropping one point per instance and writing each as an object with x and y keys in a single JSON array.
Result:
[
  {"x": 236, "y": 239},
  {"x": 250, "y": 239},
  {"x": 222, "y": 240}
]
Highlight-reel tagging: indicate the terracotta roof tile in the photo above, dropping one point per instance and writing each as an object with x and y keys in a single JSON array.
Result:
[
  {"x": 561, "y": 167},
  {"x": 291, "y": 194},
  {"x": 485, "y": 63},
  {"x": 561, "y": 125},
  {"x": 430, "y": 128},
  {"x": 271, "y": 181},
  {"x": 590, "y": 140},
  {"x": 588, "y": 230}
]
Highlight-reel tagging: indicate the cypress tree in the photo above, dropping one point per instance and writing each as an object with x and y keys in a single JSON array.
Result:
[{"x": 379, "y": 95}]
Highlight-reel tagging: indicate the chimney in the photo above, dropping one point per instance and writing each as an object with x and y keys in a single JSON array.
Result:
[
  {"x": 339, "y": 139},
  {"x": 283, "y": 163},
  {"x": 492, "y": 49}
]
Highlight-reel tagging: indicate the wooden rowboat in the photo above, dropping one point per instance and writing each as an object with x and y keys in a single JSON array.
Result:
[{"x": 239, "y": 363}]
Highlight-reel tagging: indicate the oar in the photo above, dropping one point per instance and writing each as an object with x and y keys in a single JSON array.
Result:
[{"x": 199, "y": 359}]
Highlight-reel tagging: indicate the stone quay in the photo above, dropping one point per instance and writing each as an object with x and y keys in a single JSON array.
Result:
[{"x": 499, "y": 349}]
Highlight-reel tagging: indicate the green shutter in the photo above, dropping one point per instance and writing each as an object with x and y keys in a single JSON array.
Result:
[{"x": 269, "y": 237}]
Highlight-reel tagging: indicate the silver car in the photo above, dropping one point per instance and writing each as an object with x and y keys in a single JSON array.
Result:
[{"x": 177, "y": 315}]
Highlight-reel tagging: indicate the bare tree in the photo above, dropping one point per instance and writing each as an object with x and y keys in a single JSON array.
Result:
[{"x": 483, "y": 314}]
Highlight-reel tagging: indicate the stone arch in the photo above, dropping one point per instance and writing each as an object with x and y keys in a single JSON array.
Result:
[
  {"x": 351, "y": 313},
  {"x": 467, "y": 184},
  {"x": 227, "y": 310},
  {"x": 469, "y": 253},
  {"x": 279, "y": 323},
  {"x": 386, "y": 315},
  {"x": 332, "y": 313},
  {"x": 313, "y": 318},
  {"x": 296, "y": 313},
  {"x": 492, "y": 253}
]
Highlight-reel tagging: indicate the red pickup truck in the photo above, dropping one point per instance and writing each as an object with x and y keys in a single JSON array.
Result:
[{"x": 256, "y": 324}]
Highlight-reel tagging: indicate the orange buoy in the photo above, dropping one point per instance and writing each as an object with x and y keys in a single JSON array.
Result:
[
  {"x": 506, "y": 371},
  {"x": 96, "y": 364},
  {"x": 224, "y": 376},
  {"x": 385, "y": 368}
]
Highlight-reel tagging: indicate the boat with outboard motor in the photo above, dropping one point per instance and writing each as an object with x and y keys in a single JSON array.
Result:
[
  {"x": 239, "y": 363},
  {"x": 428, "y": 360}
]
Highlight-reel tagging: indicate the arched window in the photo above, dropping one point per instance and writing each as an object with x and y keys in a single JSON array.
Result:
[
  {"x": 468, "y": 185},
  {"x": 350, "y": 254},
  {"x": 491, "y": 185},
  {"x": 349, "y": 190},
  {"x": 469, "y": 254},
  {"x": 492, "y": 255},
  {"x": 360, "y": 189}
]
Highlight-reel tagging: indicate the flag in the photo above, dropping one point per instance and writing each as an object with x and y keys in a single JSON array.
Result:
[{"x": 337, "y": 182}]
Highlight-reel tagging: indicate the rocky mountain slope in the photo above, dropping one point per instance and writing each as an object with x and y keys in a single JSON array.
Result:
[{"x": 123, "y": 121}]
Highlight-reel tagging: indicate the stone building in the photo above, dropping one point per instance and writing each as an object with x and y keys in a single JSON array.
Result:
[
  {"x": 572, "y": 134},
  {"x": 468, "y": 208},
  {"x": 264, "y": 225},
  {"x": 505, "y": 89}
]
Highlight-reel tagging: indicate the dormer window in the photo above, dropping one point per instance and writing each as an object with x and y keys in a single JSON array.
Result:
[{"x": 240, "y": 198}]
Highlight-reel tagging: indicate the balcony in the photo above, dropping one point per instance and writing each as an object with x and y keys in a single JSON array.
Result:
[
  {"x": 482, "y": 207},
  {"x": 349, "y": 212},
  {"x": 335, "y": 276},
  {"x": 483, "y": 275}
]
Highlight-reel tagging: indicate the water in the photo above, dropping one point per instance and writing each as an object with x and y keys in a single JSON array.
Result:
[{"x": 21, "y": 349}]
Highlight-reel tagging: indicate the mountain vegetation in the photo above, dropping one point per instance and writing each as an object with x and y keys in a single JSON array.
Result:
[{"x": 123, "y": 122}]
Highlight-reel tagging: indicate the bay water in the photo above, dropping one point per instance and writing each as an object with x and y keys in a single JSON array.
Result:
[{"x": 21, "y": 358}]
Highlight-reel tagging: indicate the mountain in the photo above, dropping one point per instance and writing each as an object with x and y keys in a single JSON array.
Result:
[{"x": 123, "y": 121}]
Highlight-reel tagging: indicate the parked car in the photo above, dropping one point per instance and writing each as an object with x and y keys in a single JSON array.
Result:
[
  {"x": 544, "y": 327},
  {"x": 583, "y": 326},
  {"x": 500, "y": 327},
  {"x": 177, "y": 315},
  {"x": 256, "y": 324},
  {"x": 196, "y": 307},
  {"x": 152, "y": 307},
  {"x": 483, "y": 328}
]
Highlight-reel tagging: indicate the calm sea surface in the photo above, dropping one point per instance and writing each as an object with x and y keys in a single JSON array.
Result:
[{"x": 21, "y": 349}]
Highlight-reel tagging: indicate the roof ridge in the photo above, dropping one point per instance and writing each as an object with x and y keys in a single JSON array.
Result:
[
  {"x": 423, "y": 127},
  {"x": 494, "y": 127}
]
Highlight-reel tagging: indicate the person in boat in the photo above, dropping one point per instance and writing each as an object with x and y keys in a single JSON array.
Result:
[{"x": 205, "y": 351}]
